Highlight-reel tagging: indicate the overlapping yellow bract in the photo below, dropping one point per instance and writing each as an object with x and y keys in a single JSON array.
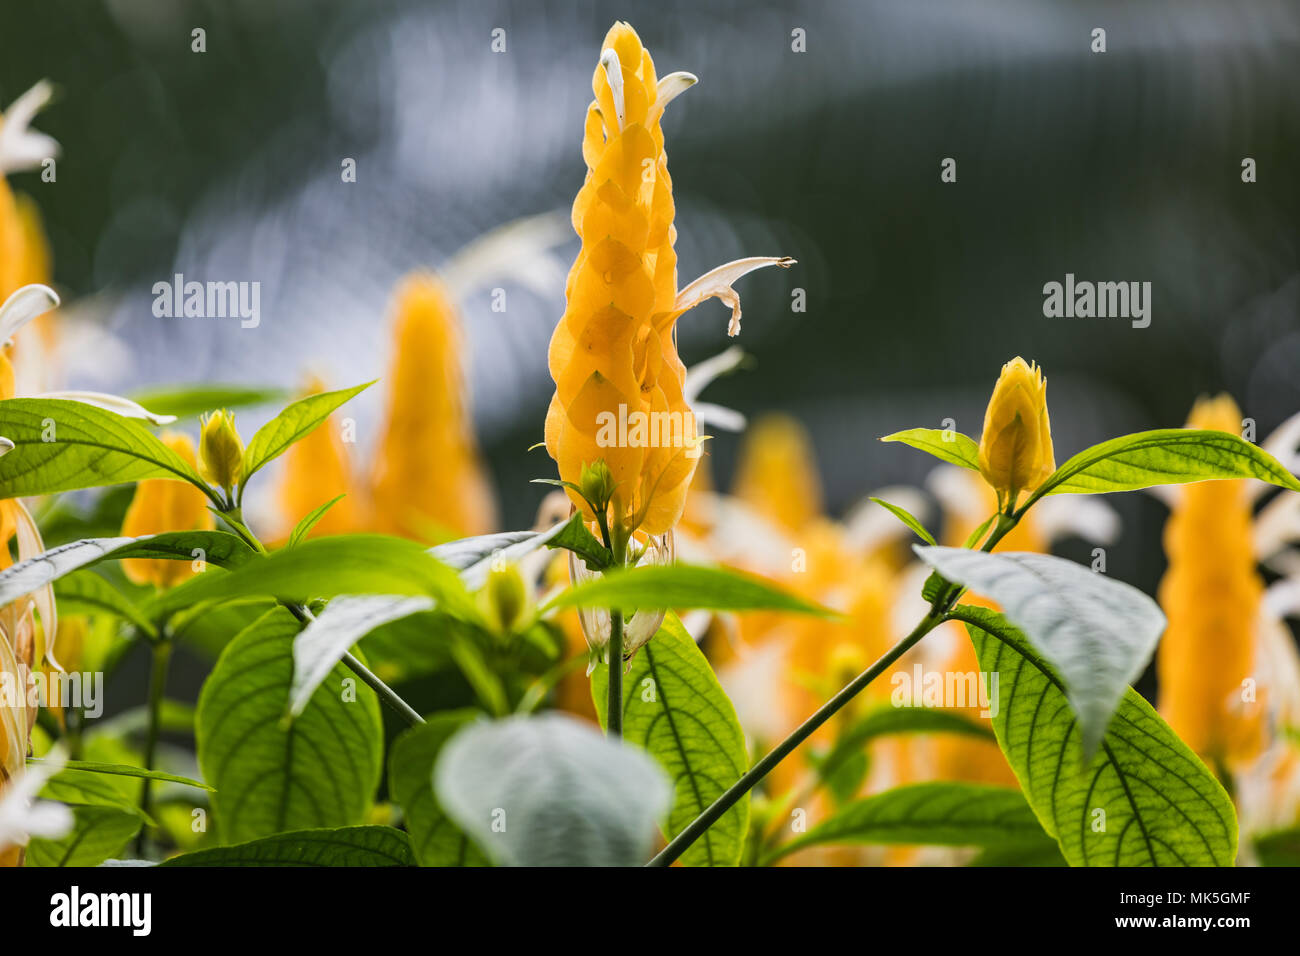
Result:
[
  {"x": 1016, "y": 446},
  {"x": 1211, "y": 596},
  {"x": 615, "y": 345}
]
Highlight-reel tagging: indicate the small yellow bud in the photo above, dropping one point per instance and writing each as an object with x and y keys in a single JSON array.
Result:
[
  {"x": 506, "y": 598},
  {"x": 1016, "y": 447},
  {"x": 221, "y": 452}
]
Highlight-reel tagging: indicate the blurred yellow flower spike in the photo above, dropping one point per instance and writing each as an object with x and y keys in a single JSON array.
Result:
[
  {"x": 163, "y": 504},
  {"x": 317, "y": 470},
  {"x": 777, "y": 474},
  {"x": 221, "y": 451},
  {"x": 618, "y": 378},
  {"x": 1211, "y": 595},
  {"x": 428, "y": 479},
  {"x": 1015, "y": 452}
]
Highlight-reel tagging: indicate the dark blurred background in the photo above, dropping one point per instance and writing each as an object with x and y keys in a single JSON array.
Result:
[{"x": 1117, "y": 166}]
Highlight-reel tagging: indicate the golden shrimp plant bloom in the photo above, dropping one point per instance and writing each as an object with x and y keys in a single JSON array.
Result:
[
  {"x": 618, "y": 378},
  {"x": 1211, "y": 595},
  {"x": 1015, "y": 452}
]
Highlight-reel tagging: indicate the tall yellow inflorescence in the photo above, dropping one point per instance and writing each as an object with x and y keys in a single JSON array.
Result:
[
  {"x": 428, "y": 480},
  {"x": 618, "y": 377},
  {"x": 163, "y": 504},
  {"x": 1211, "y": 596}
]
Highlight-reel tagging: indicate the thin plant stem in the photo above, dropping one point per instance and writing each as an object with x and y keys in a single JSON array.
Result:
[
  {"x": 162, "y": 653},
  {"x": 614, "y": 709}
]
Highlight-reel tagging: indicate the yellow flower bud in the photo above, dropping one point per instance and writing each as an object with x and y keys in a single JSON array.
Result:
[
  {"x": 165, "y": 504},
  {"x": 505, "y": 597},
  {"x": 221, "y": 452},
  {"x": 1016, "y": 447},
  {"x": 597, "y": 483}
]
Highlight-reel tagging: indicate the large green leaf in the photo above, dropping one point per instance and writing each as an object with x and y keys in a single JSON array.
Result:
[
  {"x": 950, "y": 446},
  {"x": 435, "y": 840},
  {"x": 296, "y": 421},
  {"x": 683, "y": 586},
  {"x": 273, "y": 775},
  {"x": 474, "y": 557},
  {"x": 1098, "y": 633},
  {"x": 1144, "y": 799},
  {"x": 1163, "y": 457},
  {"x": 939, "y": 813},
  {"x": 551, "y": 790},
  {"x": 326, "y": 568},
  {"x": 62, "y": 445},
  {"x": 347, "y": 619},
  {"x": 104, "y": 820},
  {"x": 344, "y": 846},
  {"x": 674, "y": 707}
]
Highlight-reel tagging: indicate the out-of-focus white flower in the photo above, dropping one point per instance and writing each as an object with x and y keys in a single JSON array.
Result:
[
  {"x": 22, "y": 816},
  {"x": 22, "y": 147}
]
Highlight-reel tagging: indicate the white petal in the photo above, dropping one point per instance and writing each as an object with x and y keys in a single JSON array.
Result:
[
  {"x": 614, "y": 73},
  {"x": 111, "y": 403},
  {"x": 1084, "y": 516},
  {"x": 6, "y": 446},
  {"x": 30, "y": 545},
  {"x": 717, "y": 283},
  {"x": 702, "y": 374},
  {"x": 24, "y": 305},
  {"x": 1277, "y": 525},
  {"x": 522, "y": 250},
  {"x": 22, "y": 147},
  {"x": 719, "y": 417},
  {"x": 19, "y": 817},
  {"x": 1284, "y": 445},
  {"x": 672, "y": 86},
  {"x": 960, "y": 492}
]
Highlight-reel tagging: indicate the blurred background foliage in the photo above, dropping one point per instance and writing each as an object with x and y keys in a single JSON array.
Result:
[{"x": 1117, "y": 166}]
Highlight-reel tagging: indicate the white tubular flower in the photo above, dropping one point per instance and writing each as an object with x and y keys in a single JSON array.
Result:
[{"x": 21, "y": 147}]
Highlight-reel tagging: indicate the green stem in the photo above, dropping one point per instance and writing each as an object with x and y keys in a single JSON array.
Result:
[
  {"x": 614, "y": 709},
  {"x": 678, "y": 845},
  {"x": 303, "y": 614},
  {"x": 162, "y": 653},
  {"x": 943, "y": 603}
]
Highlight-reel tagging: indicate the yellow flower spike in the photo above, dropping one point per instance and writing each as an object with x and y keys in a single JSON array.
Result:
[
  {"x": 428, "y": 476},
  {"x": 1211, "y": 596},
  {"x": 164, "y": 504},
  {"x": 777, "y": 475},
  {"x": 1015, "y": 452},
  {"x": 618, "y": 378},
  {"x": 221, "y": 451},
  {"x": 316, "y": 470}
]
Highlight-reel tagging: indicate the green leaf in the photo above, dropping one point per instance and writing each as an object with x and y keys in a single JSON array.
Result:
[
  {"x": 326, "y": 568},
  {"x": 1161, "y": 805},
  {"x": 217, "y": 547},
  {"x": 474, "y": 557},
  {"x": 435, "y": 840},
  {"x": 62, "y": 445},
  {"x": 946, "y": 445},
  {"x": 125, "y": 770},
  {"x": 104, "y": 821},
  {"x": 1098, "y": 633},
  {"x": 190, "y": 401},
  {"x": 309, "y": 521},
  {"x": 674, "y": 708},
  {"x": 272, "y": 775},
  {"x": 344, "y": 846},
  {"x": 575, "y": 536},
  {"x": 684, "y": 586},
  {"x": 1279, "y": 847},
  {"x": 1163, "y": 457},
  {"x": 296, "y": 421},
  {"x": 939, "y": 813},
  {"x": 884, "y": 721},
  {"x": 566, "y": 794},
  {"x": 343, "y": 622},
  {"x": 903, "y": 515},
  {"x": 87, "y": 592}
]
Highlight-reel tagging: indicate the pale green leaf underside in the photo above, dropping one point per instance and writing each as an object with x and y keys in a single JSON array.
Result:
[
  {"x": 271, "y": 775},
  {"x": 950, "y": 446},
  {"x": 1162, "y": 806},
  {"x": 674, "y": 707}
]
